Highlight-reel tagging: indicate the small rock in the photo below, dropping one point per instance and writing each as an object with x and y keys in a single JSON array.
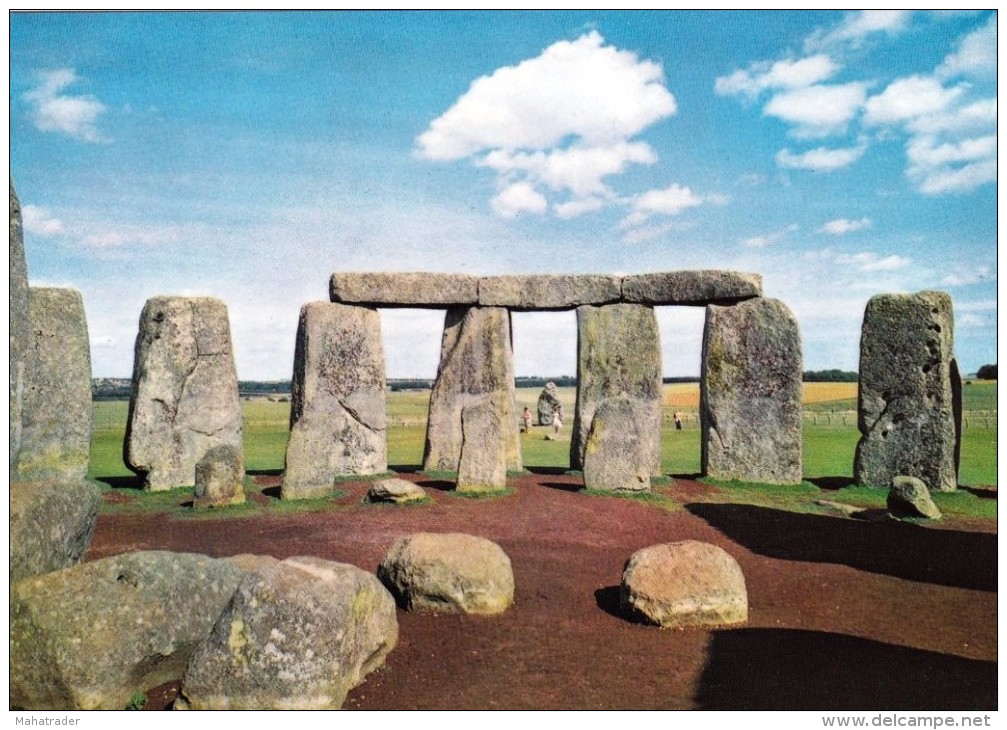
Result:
[
  {"x": 220, "y": 477},
  {"x": 397, "y": 491},
  {"x": 909, "y": 497}
]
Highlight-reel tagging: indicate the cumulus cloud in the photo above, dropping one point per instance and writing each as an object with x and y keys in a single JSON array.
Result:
[
  {"x": 976, "y": 55},
  {"x": 38, "y": 221},
  {"x": 963, "y": 277},
  {"x": 908, "y": 98},
  {"x": 671, "y": 200},
  {"x": 842, "y": 226},
  {"x": 53, "y": 110},
  {"x": 559, "y": 123},
  {"x": 768, "y": 239},
  {"x": 869, "y": 261},
  {"x": 821, "y": 159},
  {"x": 818, "y": 110},
  {"x": 857, "y": 26},
  {"x": 783, "y": 74},
  {"x": 975, "y": 116}
]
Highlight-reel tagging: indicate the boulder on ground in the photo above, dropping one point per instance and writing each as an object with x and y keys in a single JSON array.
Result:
[
  {"x": 397, "y": 491},
  {"x": 909, "y": 497},
  {"x": 51, "y": 524},
  {"x": 298, "y": 635},
  {"x": 684, "y": 584},
  {"x": 92, "y": 636},
  {"x": 220, "y": 477},
  {"x": 448, "y": 573}
]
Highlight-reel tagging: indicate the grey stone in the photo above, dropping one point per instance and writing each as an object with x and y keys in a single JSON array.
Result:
[
  {"x": 298, "y": 635},
  {"x": 419, "y": 289},
  {"x": 476, "y": 369},
  {"x": 619, "y": 356},
  {"x": 90, "y": 637},
  {"x": 909, "y": 407},
  {"x": 338, "y": 425},
  {"x": 56, "y": 416},
  {"x": 750, "y": 393},
  {"x": 909, "y": 497},
  {"x": 614, "y": 457},
  {"x": 185, "y": 390},
  {"x": 448, "y": 573},
  {"x": 684, "y": 584},
  {"x": 482, "y": 466},
  {"x": 697, "y": 288},
  {"x": 220, "y": 477},
  {"x": 548, "y": 403},
  {"x": 51, "y": 524},
  {"x": 19, "y": 322},
  {"x": 398, "y": 491},
  {"x": 548, "y": 292}
]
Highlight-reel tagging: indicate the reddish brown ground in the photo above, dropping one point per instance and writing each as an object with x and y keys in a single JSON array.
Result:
[{"x": 844, "y": 614}]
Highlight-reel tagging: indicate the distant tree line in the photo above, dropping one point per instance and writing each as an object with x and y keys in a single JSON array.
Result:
[
  {"x": 259, "y": 387},
  {"x": 536, "y": 381},
  {"x": 987, "y": 372},
  {"x": 830, "y": 376}
]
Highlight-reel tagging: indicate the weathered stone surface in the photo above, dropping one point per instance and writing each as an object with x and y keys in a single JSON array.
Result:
[
  {"x": 750, "y": 393},
  {"x": 548, "y": 402},
  {"x": 697, "y": 288},
  {"x": 185, "y": 390},
  {"x": 448, "y": 573},
  {"x": 909, "y": 497},
  {"x": 338, "y": 425},
  {"x": 545, "y": 292},
  {"x": 476, "y": 369},
  {"x": 419, "y": 289},
  {"x": 51, "y": 524},
  {"x": 908, "y": 418},
  {"x": 684, "y": 584},
  {"x": 89, "y": 637},
  {"x": 298, "y": 635},
  {"x": 19, "y": 322},
  {"x": 483, "y": 463},
  {"x": 619, "y": 356},
  {"x": 614, "y": 459},
  {"x": 220, "y": 477},
  {"x": 398, "y": 491},
  {"x": 56, "y": 414}
]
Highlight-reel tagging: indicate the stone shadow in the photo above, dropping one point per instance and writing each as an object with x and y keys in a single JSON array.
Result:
[
  {"x": 834, "y": 483},
  {"x": 607, "y": 599},
  {"x": 789, "y": 669},
  {"x": 980, "y": 492},
  {"x": 900, "y": 549},
  {"x": 130, "y": 482}
]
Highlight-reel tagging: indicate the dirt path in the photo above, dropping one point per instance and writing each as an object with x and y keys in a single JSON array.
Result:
[{"x": 844, "y": 614}]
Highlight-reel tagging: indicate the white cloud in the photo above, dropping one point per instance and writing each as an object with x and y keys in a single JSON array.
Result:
[
  {"x": 557, "y": 123},
  {"x": 978, "y": 115},
  {"x": 842, "y": 226},
  {"x": 125, "y": 235},
  {"x": 952, "y": 167},
  {"x": 648, "y": 233},
  {"x": 858, "y": 25},
  {"x": 981, "y": 305},
  {"x": 960, "y": 180},
  {"x": 967, "y": 277},
  {"x": 768, "y": 239},
  {"x": 818, "y": 110},
  {"x": 672, "y": 200},
  {"x": 821, "y": 159},
  {"x": 925, "y": 152},
  {"x": 54, "y": 111},
  {"x": 908, "y": 98},
  {"x": 518, "y": 198},
  {"x": 976, "y": 55},
  {"x": 869, "y": 261},
  {"x": 37, "y": 221},
  {"x": 783, "y": 74}
]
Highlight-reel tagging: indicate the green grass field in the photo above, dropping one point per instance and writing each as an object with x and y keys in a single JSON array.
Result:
[{"x": 828, "y": 447}]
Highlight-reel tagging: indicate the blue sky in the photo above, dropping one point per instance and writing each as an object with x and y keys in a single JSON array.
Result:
[{"x": 249, "y": 155}]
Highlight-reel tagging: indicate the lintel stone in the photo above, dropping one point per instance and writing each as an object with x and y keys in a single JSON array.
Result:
[
  {"x": 696, "y": 288},
  {"x": 536, "y": 292},
  {"x": 416, "y": 289}
]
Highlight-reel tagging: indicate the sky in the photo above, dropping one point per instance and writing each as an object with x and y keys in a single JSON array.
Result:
[{"x": 248, "y": 156}]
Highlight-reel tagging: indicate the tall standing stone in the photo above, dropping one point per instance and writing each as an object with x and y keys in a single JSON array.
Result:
[
  {"x": 18, "y": 322},
  {"x": 910, "y": 390},
  {"x": 548, "y": 402},
  {"x": 338, "y": 425},
  {"x": 750, "y": 394},
  {"x": 56, "y": 415},
  {"x": 618, "y": 357},
  {"x": 185, "y": 390},
  {"x": 476, "y": 372}
]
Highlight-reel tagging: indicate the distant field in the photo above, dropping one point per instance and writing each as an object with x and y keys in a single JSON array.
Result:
[{"x": 829, "y": 443}]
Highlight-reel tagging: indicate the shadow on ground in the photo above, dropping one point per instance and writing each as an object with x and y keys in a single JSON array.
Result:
[
  {"x": 787, "y": 669},
  {"x": 900, "y": 549}
]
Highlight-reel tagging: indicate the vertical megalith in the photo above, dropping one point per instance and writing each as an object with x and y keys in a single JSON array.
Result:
[
  {"x": 56, "y": 415},
  {"x": 612, "y": 453},
  {"x": 482, "y": 466},
  {"x": 548, "y": 404},
  {"x": 909, "y": 397},
  {"x": 619, "y": 357},
  {"x": 750, "y": 393},
  {"x": 185, "y": 390},
  {"x": 337, "y": 416},
  {"x": 18, "y": 322},
  {"x": 476, "y": 372}
]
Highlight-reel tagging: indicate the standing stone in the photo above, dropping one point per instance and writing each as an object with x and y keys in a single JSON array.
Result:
[
  {"x": 476, "y": 371},
  {"x": 56, "y": 416},
  {"x": 185, "y": 390},
  {"x": 338, "y": 424},
  {"x": 19, "y": 340},
  {"x": 548, "y": 402},
  {"x": 483, "y": 463},
  {"x": 619, "y": 357},
  {"x": 611, "y": 456},
  {"x": 909, "y": 413},
  {"x": 750, "y": 393},
  {"x": 220, "y": 477}
]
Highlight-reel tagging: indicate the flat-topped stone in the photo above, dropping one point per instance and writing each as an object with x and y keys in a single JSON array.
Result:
[
  {"x": 697, "y": 288},
  {"x": 416, "y": 289},
  {"x": 536, "y": 292}
]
